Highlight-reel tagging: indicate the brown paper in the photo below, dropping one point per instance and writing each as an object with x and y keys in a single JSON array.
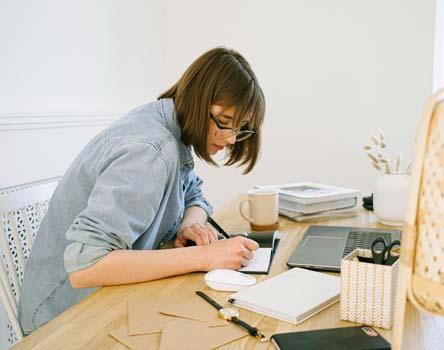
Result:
[
  {"x": 136, "y": 342},
  {"x": 144, "y": 316},
  {"x": 183, "y": 334},
  {"x": 194, "y": 309}
]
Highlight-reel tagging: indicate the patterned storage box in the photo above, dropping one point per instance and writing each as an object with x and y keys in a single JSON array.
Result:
[{"x": 367, "y": 290}]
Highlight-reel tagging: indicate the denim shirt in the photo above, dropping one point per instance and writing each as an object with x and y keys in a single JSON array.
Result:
[{"x": 127, "y": 189}]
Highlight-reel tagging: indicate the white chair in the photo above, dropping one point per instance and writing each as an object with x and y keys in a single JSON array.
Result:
[{"x": 21, "y": 210}]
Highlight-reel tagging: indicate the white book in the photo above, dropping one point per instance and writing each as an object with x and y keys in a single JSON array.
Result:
[
  {"x": 337, "y": 213},
  {"x": 292, "y": 296},
  {"x": 310, "y": 192},
  {"x": 317, "y": 207}
]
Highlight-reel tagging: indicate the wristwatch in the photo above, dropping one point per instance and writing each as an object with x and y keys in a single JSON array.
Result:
[{"x": 232, "y": 315}]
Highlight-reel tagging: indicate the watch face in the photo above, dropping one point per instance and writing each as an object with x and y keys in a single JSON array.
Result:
[{"x": 228, "y": 314}]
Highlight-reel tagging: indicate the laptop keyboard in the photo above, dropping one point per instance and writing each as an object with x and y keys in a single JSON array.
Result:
[{"x": 362, "y": 239}]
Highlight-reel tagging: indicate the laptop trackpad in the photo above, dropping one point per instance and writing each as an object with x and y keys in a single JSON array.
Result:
[
  {"x": 319, "y": 251},
  {"x": 328, "y": 243}
]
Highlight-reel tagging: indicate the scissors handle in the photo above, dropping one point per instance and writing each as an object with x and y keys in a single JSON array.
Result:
[
  {"x": 393, "y": 252},
  {"x": 379, "y": 248}
]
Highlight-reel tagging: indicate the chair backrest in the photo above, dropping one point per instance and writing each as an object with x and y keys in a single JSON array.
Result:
[
  {"x": 423, "y": 253},
  {"x": 22, "y": 208}
]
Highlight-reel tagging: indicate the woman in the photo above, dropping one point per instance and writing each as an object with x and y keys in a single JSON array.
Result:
[{"x": 133, "y": 188}]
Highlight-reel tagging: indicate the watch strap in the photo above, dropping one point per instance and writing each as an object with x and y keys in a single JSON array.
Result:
[
  {"x": 208, "y": 299},
  {"x": 251, "y": 330}
]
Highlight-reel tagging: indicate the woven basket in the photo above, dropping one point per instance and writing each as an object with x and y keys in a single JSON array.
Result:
[{"x": 367, "y": 290}]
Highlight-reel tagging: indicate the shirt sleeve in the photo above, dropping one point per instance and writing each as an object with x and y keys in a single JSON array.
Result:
[
  {"x": 121, "y": 206},
  {"x": 193, "y": 193}
]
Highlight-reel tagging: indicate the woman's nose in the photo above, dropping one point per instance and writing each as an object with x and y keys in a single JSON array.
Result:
[{"x": 231, "y": 140}]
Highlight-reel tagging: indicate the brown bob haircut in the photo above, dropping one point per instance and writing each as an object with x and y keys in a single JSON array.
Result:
[{"x": 220, "y": 76}]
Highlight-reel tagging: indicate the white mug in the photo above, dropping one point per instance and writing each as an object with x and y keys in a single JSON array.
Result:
[{"x": 263, "y": 207}]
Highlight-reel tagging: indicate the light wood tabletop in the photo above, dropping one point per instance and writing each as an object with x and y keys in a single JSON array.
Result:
[{"x": 87, "y": 324}]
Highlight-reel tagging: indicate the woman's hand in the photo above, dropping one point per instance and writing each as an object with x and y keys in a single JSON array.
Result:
[
  {"x": 230, "y": 253},
  {"x": 197, "y": 232}
]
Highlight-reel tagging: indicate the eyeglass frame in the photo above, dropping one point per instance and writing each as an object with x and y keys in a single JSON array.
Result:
[{"x": 247, "y": 133}]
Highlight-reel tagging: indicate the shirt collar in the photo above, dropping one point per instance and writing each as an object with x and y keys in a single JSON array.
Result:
[{"x": 169, "y": 113}]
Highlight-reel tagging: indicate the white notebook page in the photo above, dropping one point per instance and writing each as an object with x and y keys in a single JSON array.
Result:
[{"x": 260, "y": 261}]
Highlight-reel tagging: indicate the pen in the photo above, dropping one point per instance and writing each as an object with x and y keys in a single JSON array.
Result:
[{"x": 217, "y": 227}]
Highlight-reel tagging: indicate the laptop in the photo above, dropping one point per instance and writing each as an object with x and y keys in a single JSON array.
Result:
[{"x": 323, "y": 247}]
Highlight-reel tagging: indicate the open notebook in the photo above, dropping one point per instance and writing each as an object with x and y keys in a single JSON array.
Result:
[{"x": 263, "y": 256}]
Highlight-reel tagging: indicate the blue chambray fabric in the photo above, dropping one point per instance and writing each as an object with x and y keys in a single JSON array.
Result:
[{"x": 127, "y": 189}]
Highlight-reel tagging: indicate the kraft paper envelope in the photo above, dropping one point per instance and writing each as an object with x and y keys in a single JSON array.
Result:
[
  {"x": 144, "y": 316},
  {"x": 194, "y": 308},
  {"x": 183, "y": 334},
  {"x": 135, "y": 342}
]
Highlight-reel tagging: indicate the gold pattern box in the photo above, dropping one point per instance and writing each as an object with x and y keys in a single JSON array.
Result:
[{"x": 367, "y": 290}]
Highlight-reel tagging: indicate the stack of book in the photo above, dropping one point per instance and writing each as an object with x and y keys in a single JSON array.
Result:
[{"x": 304, "y": 201}]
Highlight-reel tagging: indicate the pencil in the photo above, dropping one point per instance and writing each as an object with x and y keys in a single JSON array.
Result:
[{"x": 217, "y": 227}]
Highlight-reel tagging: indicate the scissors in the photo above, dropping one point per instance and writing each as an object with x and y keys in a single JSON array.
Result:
[{"x": 384, "y": 254}]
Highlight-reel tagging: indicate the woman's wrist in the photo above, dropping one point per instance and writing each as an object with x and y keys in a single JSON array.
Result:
[
  {"x": 199, "y": 257},
  {"x": 192, "y": 215}
]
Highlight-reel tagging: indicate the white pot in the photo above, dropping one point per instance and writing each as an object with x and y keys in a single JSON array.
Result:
[{"x": 390, "y": 197}]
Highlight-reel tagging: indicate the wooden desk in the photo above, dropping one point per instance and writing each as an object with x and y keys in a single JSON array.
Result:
[{"x": 87, "y": 324}]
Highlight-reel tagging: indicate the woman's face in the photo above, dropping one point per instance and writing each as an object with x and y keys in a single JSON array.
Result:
[{"x": 217, "y": 139}]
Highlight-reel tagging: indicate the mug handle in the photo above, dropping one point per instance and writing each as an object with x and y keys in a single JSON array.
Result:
[{"x": 241, "y": 210}]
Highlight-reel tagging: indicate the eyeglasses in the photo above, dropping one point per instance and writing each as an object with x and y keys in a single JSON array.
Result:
[{"x": 227, "y": 132}]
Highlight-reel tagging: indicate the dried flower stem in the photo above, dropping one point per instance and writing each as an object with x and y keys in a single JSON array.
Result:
[
  {"x": 379, "y": 158},
  {"x": 398, "y": 163},
  {"x": 373, "y": 158},
  {"x": 408, "y": 169}
]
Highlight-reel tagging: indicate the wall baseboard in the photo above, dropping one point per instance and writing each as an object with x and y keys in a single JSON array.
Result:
[{"x": 41, "y": 121}]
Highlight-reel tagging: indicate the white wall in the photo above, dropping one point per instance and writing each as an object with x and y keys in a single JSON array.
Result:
[
  {"x": 333, "y": 71},
  {"x": 438, "y": 71},
  {"x": 67, "y": 69}
]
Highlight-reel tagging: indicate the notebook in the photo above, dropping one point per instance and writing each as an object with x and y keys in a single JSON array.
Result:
[
  {"x": 291, "y": 296},
  {"x": 263, "y": 256},
  {"x": 353, "y": 338}
]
